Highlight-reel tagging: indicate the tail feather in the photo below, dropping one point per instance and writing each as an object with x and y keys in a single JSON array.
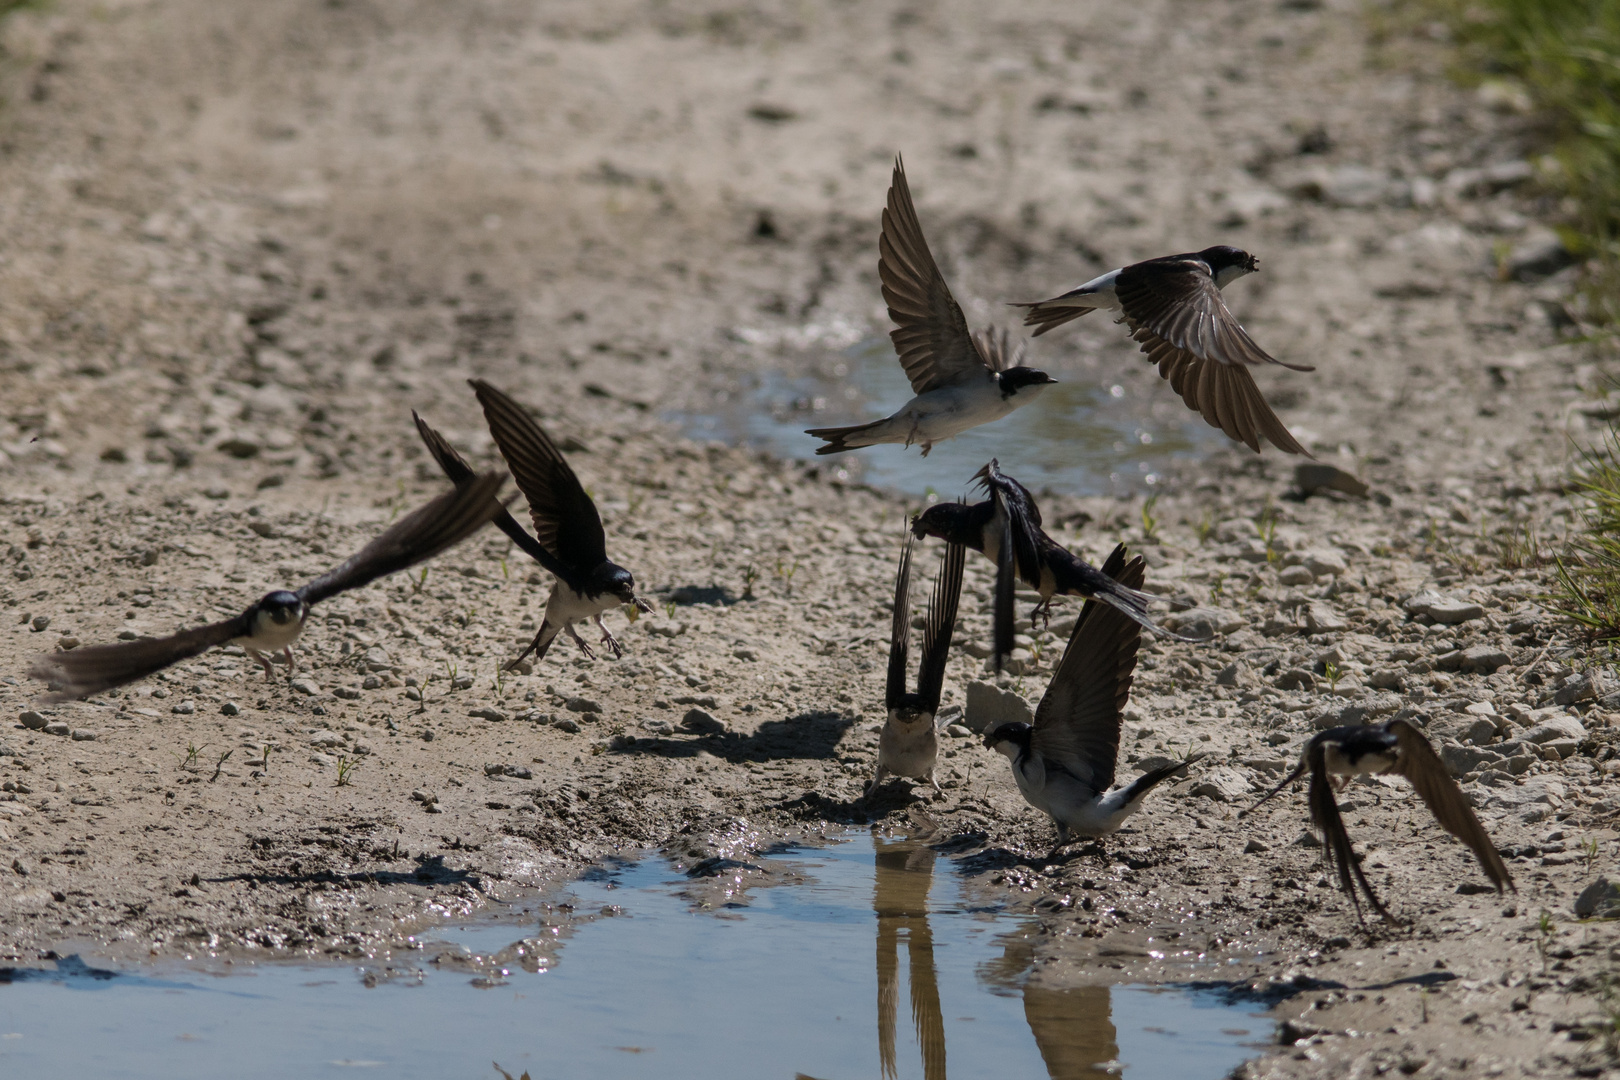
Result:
[
  {"x": 1046, "y": 315},
  {"x": 1153, "y": 777},
  {"x": 1086, "y": 580},
  {"x": 541, "y": 643},
  {"x": 838, "y": 438}
]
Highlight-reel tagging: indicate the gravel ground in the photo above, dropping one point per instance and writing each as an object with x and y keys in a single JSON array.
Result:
[{"x": 242, "y": 245}]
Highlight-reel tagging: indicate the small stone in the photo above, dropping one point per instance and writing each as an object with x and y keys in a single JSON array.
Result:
[
  {"x": 307, "y": 687},
  {"x": 1576, "y": 687},
  {"x": 58, "y": 728},
  {"x": 489, "y": 713},
  {"x": 1461, "y": 760},
  {"x": 988, "y": 707},
  {"x": 1313, "y": 476},
  {"x": 566, "y": 723},
  {"x": 371, "y": 682},
  {"x": 1202, "y": 622},
  {"x": 39, "y": 623},
  {"x": 665, "y": 628},
  {"x": 347, "y": 693},
  {"x": 183, "y": 708},
  {"x": 239, "y": 448},
  {"x": 424, "y": 796},
  {"x": 84, "y": 735},
  {"x": 1254, "y": 847},
  {"x": 230, "y": 708},
  {"x": 1237, "y": 673},
  {"x": 1555, "y": 728},
  {"x": 1296, "y": 679},
  {"x": 1387, "y": 678},
  {"x": 656, "y": 726},
  {"x": 1322, "y": 619},
  {"x": 1296, "y": 575},
  {"x": 1319, "y": 561},
  {"x": 1451, "y": 612},
  {"x": 262, "y": 528},
  {"x": 745, "y": 652},
  {"x": 1222, "y": 784},
  {"x": 1483, "y": 658},
  {"x": 1599, "y": 900},
  {"x": 66, "y": 642},
  {"x": 1233, "y": 530},
  {"x": 1307, "y": 839},
  {"x": 959, "y": 731},
  {"x": 1540, "y": 254},
  {"x": 32, "y": 720},
  {"x": 701, "y": 722},
  {"x": 582, "y": 705},
  {"x": 461, "y": 682}
]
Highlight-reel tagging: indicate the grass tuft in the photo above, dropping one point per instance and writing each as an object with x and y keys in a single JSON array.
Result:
[{"x": 1587, "y": 589}]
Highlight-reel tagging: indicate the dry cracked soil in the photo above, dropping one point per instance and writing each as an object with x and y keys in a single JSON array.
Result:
[{"x": 242, "y": 242}]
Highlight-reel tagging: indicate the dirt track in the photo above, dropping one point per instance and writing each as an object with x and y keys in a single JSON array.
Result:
[{"x": 242, "y": 243}]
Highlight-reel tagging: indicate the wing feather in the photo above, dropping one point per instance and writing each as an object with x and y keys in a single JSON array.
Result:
[
  {"x": 1078, "y": 720},
  {"x": 78, "y": 673},
  {"x": 565, "y": 519},
  {"x": 936, "y": 648},
  {"x": 930, "y": 335},
  {"x": 423, "y": 533},
  {"x": 1428, "y": 776},
  {"x": 900, "y": 631}
]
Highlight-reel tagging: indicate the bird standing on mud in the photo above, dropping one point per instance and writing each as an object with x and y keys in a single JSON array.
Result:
[
  {"x": 1343, "y": 753},
  {"x": 274, "y": 623},
  {"x": 1174, "y": 308},
  {"x": 909, "y": 743},
  {"x": 960, "y": 380},
  {"x": 1064, "y": 762},
  {"x": 568, "y": 540}
]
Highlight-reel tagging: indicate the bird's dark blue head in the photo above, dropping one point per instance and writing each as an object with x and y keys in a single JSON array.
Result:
[
  {"x": 1226, "y": 262},
  {"x": 1010, "y": 739},
  {"x": 1027, "y": 380},
  {"x": 954, "y": 523},
  {"x": 621, "y": 584},
  {"x": 281, "y": 607}
]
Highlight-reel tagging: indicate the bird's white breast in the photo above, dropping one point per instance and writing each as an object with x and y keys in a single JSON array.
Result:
[
  {"x": 567, "y": 606},
  {"x": 908, "y": 748},
  {"x": 948, "y": 411},
  {"x": 268, "y": 635},
  {"x": 1366, "y": 765}
]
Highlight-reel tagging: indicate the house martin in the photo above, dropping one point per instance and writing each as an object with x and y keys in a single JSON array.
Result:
[
  {"x": 274, "y": 623},
  {"x": 1028, "y": 554},
  {"x": 1064, "y": 762},
  {"x": 909, "y": 744},
  {"x": 1174, "y": 309},
  {"x": 1397, "y": 747},
  {"x": 960, "y": 380},
  {"x": 568, "y": 537}
]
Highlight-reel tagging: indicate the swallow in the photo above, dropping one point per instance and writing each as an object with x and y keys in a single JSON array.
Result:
[
  {"x": 909, "y": 745},
  {"x": 1174, "y": 310},
  {"x": 274, "y": 623},
  {"x": 960, "y": 380},
  {"x": 1396, "y": 747},
  {"x": 1064, "y": 762},
  {"x": 904, "y": 871},
  {"x": 1027, "y": 553},
  {"x": 568, "y": 539}
]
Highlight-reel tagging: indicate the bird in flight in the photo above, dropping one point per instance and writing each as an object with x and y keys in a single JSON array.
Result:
[
  {"x": 1064, "y": 762},
  {"x": 1397, "y": 747},
  {"x": 568, "y": 539},
  {"x": 1173, "y": 308},
  {"x": 1029, "y": 554},
  {"x": 909, "y": 744},
  {"x": 274, "y": 623},
  {"x": 960, "y": 380}
]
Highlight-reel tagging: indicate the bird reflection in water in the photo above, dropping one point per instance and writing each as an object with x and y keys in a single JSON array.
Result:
[
  {"x": 905, "y": 869},
  {"x": 1073, "y": 1026}
]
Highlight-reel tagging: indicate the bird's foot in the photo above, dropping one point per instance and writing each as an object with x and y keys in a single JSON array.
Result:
[
  {"x": 292, "y": 665},
  {"x": 269, "y": 668},
  {"x": 608, "y": 639},
  {"x": 584, "y": 648},
  {"x": 1043, "y": 612}
]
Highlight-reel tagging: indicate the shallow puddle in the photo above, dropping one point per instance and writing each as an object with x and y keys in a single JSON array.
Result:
[
  {"x": 1083, "y": 436},
  {"x": 863, "y": 960}
]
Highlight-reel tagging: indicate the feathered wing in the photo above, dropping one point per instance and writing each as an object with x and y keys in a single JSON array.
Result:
[
  {"x": 995, "y": 346},
  {"x": 1078, "y": 720},
  {"x": 423, "y": 533},
  {"x": 79, "y": 673},
  {"x": 1014, "y": 500},
  {"x": 1427, "y": 774},
  {"x": 900, "y": 632},
  {"x": 565, "y": 519},
  {"x": 1003, "y": 616},
  {"x": 930, "y": 335},
  {"x": 1336, "y": 838},
  {"x": 456, "y": 468},
  {"x": 936, "y": 647},
  {"x": 1176, "y": 313}
]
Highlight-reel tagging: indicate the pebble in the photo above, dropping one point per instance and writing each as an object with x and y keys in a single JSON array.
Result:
[
  {"x": 657, "y": 727},
  {"x": 1599, "y": 900},
  {"x": 583, "y": 705},
  {"x": 57, "y": 728},
  {"x": 1322, "y": 619},
  {"x": 703, "y": 723},
  {"x": 307, "y": 687},
  {"x": 566, "y": 723},
  {"x": 32, "y": 720},
  {"x": 84, "y": 735},
  {"x": 461, "y": 682},
  {"x": 1202, "y": 622},
  {"x": 665, "y": 628},
  {"x": 183, "y": 708},
  {"x": 1254, "y": 847},
  {"x": 1296, "y": 575},
  {"x": 1222, "y": 784},
  {"x": 347, "y": 693},
  {"x": 959, "y": 731},
  {"x": 39, "y": 623},
  {"x": 989, "y": 706},
  {"x": 491, "y": 714},
  {"x": 1313, "y": 476},
  {"x": 230, "y": 708}
]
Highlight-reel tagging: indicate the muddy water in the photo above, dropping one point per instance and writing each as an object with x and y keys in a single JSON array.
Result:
[
  {"x": 863, "y": 960},
  {"x": 1086, "y": 435}
]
